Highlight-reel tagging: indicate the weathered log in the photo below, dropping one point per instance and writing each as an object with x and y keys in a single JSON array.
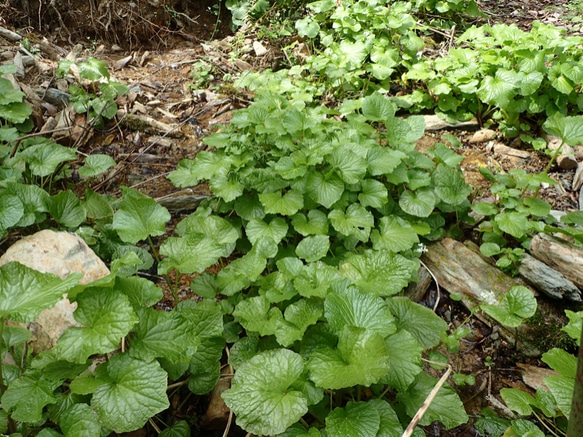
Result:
[
  {"x": 433, "y": 123},
  {"x": 548, "y": 280},
  {"x": 462, "y": 271},
  {"x": 181, "y": 201},
  {"x": 560, "y": 255}
]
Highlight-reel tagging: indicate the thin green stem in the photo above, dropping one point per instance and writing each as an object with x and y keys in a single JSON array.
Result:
[{"x": 173, "y": 285}]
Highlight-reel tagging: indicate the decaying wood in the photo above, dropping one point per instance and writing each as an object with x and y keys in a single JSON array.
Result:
[
  {"x": 534, "y": 376},
  {"x": 433, "y": 123},
  {"x": 460, "y": 270},
  {"x": 548, "y": 280},
  {"x": 181, "y": 201},
  {"x": 149, "y": 124},
  {"x": 9, "y": 35},
  {"x": 560, "y": 255}
]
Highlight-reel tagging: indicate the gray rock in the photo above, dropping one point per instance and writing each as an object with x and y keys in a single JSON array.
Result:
[
  {"x": 548, "y": 280},
  {"x": 59, "y": 253},
  {"x": 483, "y": 135}
]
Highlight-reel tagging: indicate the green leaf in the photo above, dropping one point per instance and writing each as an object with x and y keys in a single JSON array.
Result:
[
  {"x": 205, "y": 240},
  {"x": 537, "y": 207},
  {"x": 348, "y": 164},
  {"x": 141, "y": 292},
  {"x": 33, "y": 198},
  {"x": 107, "y": 316},
  {"x": 179, "y": 429},
  {"x": 490, "y": 249},
  {"x": 95, "y": 165},
  {"x": 418, "y": 203},
  {"x": 257, "y": 229},
  {"x": 24, "y": 292},
  {"x": 316, "y": 223},
  {"x": 377, "y": 108},
  {"x": 394, "y": 234},
  {"x": 288, "y": 204},
  {"x": 421, "y": 322},
  {"x": 133, "y": 392},
  {"x": 357, "y": 419},
  {"x": 8, "y": 94},
  {"x": 518, "y": 304},
  {"x": 485, "y": 208},
  {"x": 80, "y": 421},
  {"x": 513, "y": 223},
  {"x": 518, "y": 400},
  {"x": 298, "y": 430},
  {"x": 189, "y": 173},
  {"x": 561, "y": 361},
  {"x": 324, "y": 190},
  {"x": 12, "y": 211},
  {"x": 66, "y": 209},
  {"x": 361, "y": 358},
  {"x": 316, "y": 279},
  {"x": 43, "y": 159},
  {"x": 297, "y": 317},
  {"x": 561, "y": 387},
  {"x": 355, "y": 221},
  {"x": 575, "y": 325},
  {"x": 405, "y": 352},
  {"x": 205, "y": 365},
  {"x": 28, "y": 395},
  {"x": 161, "y": 334},
  {"x": 446, "y": 407},
  {"x": 139, "y": 217},
  {"x": 499, "y": 90},
  {"x": 373, "y": 193},
  {"x": 307, "y": 27},
  {"x": 383, "y": 161},
  {"x": 450, "y": 185},
  {"x": 390, "y": 425},
  {"x": 93, "y": 69},
  {"x": 261, "y": 394},
  {"x": 96, "y": 205},
  {"x": 361, "y": 310},
  {"x": 313, "y": 248},
  {"x": 17, "y": 112},
  {"x": 380, "y": 272},
  {"x": 254, "y": 315},
  {"x": 570, "y": 129}
]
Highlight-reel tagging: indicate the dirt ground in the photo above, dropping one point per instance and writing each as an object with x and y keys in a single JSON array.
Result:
[{"x": 153, "y": 47}]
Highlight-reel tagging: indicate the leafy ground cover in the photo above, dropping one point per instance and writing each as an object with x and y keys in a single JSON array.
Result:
[{"x": 320, "y": 212}]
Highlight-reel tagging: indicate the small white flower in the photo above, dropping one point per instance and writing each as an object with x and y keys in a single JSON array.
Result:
[
  {"x": 421, "y": 248},
  {"x": 488, "y": 297}
]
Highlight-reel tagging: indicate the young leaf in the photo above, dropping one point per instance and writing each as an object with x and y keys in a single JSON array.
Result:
[
  {"x": 450, "y": 185},
  {"x": 107, "y": 316},
  {"x": 313, "y": 248},
  {"x": 24, "y": 292},
  {"x": 361, "y": 358},
  {"x": 446, "y": 407},
  {"x": 561, "y": 361},
  {"x": 376, "y": 107},
  {"x": 380, "y": 272},
  {"x": 518, "y": 304},
  {"x": 161, "y": 334},
  {"x": 316, "y": 223},
  {"x": 139, "y": 217},
  {"x": 394, "y": 234},
  {"x": 96, "y": 205},
  {"x": 261, "y": 394},
  {"x": 80, "y": 420},
  {"x": 405, "y": 353},
  {"x": 28, "y": 395},
  {"x": 569, "y": 129},
  {"x": 132, "y": 391},
  {"x": 96, "y": 164},
  {"x": 297, "y": 317},
  {"x": 324, "y": 190},
  {"x": 421, "y": 322},
  {"x": 373, "y": 193},
  {"x": 66, "y": 209},
  {"x": 518, "y": 400},
  {"x": 513, "y": 223},
  {"x": 43, "y": 159},
  {"x": 357, "y": 419},
  {"x": 93, "y": 69},
  {"x": 257, "y": 229},
  {"x": 418, "y": 203},
  {"x": 361, "y": 310},
  {"x": 205, "y": 365},
  {"x": 287, "y": 204},
  {"x": 33, "y": 198},
  {"x": 356, "y": 221}
]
